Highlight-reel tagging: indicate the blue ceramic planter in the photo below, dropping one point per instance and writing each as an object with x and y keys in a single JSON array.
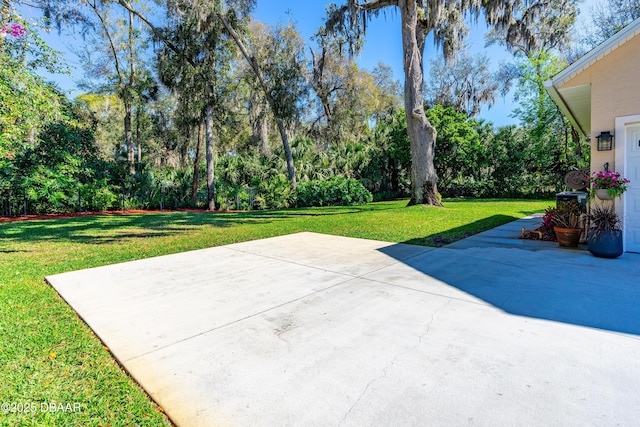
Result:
[{"x": 606, "y": 244}]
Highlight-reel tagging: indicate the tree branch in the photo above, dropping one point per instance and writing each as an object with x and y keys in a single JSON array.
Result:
[
  {"x": 156, "y": 31},
  {"x": 111, "y": 44},
  {"x": 132, "y": 62},
  {"x": 250, "y": 59},
  {"x": 377, "y": 4},
  {"x": 270, "y": 99},
  {"x": 351, "y": 18}
]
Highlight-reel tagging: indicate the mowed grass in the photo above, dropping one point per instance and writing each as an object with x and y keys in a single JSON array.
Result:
[{"x": 48, "y": 355}]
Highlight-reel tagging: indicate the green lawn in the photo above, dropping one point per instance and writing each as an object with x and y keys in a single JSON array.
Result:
[{"x": 47, "y": 354}]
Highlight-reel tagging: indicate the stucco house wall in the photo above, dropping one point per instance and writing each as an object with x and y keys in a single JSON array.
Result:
[
  {"x": 601, "y": 92},
  {"x": 615, "y": 92}
]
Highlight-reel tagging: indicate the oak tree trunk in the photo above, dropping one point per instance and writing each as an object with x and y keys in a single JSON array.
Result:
[{"x": 422, "y": 135}]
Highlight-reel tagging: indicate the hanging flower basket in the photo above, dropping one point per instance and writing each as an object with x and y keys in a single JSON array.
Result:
[
  {"x": 602, "y": 194},
  {"x": 608, "y": 184}
]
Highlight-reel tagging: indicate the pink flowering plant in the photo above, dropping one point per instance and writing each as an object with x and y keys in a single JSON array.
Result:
[
  {"x": 16, "y": 30},
  {"x": 548, "y": 222},
  {"x": 566, "y": 215},
  {"x": 610, "y": 181}
]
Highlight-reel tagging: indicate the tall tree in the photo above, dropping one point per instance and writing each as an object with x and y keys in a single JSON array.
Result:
[
  {"x": 108, "y": 113},
  {"x": 446, "y": 21},
  {"x": 464, "y": 83},
  {"x": 537, "y": 60},
  {"x": 279, "y": 53},
  {"x": 551, "y": 135},
  {"x": 460, "y": 156},
  {"x": 233, "y": 18},
  {"x": 188, "y": 83},
  {"x": 327, "y": 77},
  {"x": 28, "y": 104},
  {"x": 199, "y": 71},
  {"x": 609, "y": 17},
  {"x": 388, "y": 92},
  {"x": 258, "y": 109},
  {"x": 278, "y": 99},
  {"x": 347, "y": 96},
  {"x": 118, "y": 62}
]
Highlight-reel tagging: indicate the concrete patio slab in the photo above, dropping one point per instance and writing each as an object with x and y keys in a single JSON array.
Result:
[
  {"x": 310, "y": 329},
  {"x": 325, "y": 252}
]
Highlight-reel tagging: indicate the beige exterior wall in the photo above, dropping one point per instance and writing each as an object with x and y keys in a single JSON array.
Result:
[{"x": 615, "y": 92}]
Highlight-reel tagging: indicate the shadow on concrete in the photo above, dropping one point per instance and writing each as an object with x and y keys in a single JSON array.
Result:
[
  {"x": 548, "y": 282},
  {"x": 454, "y": 234}
]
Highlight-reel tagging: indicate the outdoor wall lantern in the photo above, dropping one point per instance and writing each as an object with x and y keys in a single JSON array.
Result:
[{"x": 605, "y": 141}]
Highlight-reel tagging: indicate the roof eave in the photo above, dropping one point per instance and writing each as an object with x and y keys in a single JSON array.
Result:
[
  {"x": 563, "y": 77},
  {"x": 553, "y": 92}
]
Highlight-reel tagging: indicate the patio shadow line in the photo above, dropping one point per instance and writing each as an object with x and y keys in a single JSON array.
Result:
[{"x": 547, "y": 282}]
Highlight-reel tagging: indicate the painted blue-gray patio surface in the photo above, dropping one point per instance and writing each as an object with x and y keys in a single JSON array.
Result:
[
  {"x": 310, "y": 329},
  {"x": 539, "y": 279}
]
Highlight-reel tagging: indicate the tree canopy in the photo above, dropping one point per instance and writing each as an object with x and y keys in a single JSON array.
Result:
[
  {"x": 514, "y": 21},
  {"x": 194, "y": 103}
]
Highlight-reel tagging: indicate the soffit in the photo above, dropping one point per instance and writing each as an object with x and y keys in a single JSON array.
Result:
[
  {"x": 575, "y": 101},
  {"x": 578, "y": 101}
]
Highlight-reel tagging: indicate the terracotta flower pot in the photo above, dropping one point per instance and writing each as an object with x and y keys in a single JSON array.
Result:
[{"x": 568, "y": 237}]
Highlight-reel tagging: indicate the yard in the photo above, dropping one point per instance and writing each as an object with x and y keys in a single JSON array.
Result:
[{"x": 56, "y": 372}]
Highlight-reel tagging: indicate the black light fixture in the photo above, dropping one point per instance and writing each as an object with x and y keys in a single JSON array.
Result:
[{"x": 605, "y": 141}]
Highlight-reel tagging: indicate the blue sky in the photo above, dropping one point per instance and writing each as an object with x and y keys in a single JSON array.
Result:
[{"x": 383, "y": 44}]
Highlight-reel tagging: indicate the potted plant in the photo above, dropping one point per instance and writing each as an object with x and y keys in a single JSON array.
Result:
[
  {"x": 605, "y": 232},
  {"x": 546, "y": 228},
  {"x": 608, "y": 185},
  {"x": 567, "y": 221}
]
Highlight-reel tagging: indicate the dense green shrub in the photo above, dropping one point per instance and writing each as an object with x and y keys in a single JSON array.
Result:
[
  {"x": 99, "y": 196},
  {"x": 336, "y": 191},
  {"x": 466, "y": 188},
  {"x": 155, "y": 187},
  {"x": 275, "y": 193},
  {"x": 387, "y": 173},
  {"x": 234, "y": 196},
  {"x": 59, "y": 173}
]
